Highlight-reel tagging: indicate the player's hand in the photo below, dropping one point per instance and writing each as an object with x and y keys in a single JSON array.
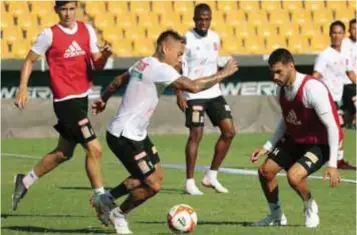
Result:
[
  {"x": 98, "y": 106},
  {"x": 181, "y": 102},
  {"x": 21, "y": 98},
  {"x": 106, "y": 49},
  {"x": 332, "y": 173},
  {"x": 231, "y": 67},
  {"x": 256, "y": 154}
]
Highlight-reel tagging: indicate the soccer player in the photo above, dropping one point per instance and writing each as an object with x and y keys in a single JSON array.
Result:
[
  {"x": 349, "y": 89},
  {"x": 332, "y": 67},
  {"x": 127, "y": 135},
  {"x": 305, "y": 139},
  {"x": 202, "y": 58},
  {"x": 70, "y": 47}
]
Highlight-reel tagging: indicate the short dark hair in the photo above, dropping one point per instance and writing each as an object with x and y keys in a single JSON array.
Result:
[
  {"x": 353, "y": 21},
  {"x": 280, "y": 55},
  {"x": 59, "y": 3},
  {"x": 202, "y": 7},
  {"x": 337, "y": 23},
  {"x": 169, "y": 34}
]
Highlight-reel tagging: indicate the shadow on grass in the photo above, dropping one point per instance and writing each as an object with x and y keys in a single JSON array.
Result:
[
  {"x": 163, "y": 190},
  {"x": 35, "y": 229},
  {"x": 4, "y": 216},
  {"x": 205, "y": 222}
]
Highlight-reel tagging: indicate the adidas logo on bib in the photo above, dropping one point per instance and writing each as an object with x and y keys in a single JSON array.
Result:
[{"x": 74, "y": 50}]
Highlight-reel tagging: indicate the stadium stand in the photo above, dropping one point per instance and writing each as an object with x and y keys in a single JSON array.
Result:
[{"x": 246, "y": 27}]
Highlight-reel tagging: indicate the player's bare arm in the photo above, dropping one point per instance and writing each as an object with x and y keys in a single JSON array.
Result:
[
  {"x": 181, "y": 100},
  {"x": 205, "y": 83},
  {"x": 352, "y": 76},
  {"x": 26, "y": 70},
  {"x": 99, "y": 105},
  {"x": 100, "y": 58}
]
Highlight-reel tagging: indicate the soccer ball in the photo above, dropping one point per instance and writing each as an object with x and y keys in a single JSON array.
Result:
[{"x": 182, "y": 218}]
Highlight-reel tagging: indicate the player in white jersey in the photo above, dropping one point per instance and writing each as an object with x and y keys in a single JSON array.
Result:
[
  {"x": 332, "y": 67},
  {"x": 349, "y": 47},
  {"x": 202, "y": 58},
  {"x": 127, "y": 133}
]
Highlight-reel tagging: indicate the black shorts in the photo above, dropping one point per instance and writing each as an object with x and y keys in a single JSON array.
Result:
[
  {"x": 217, "y": 110},
  {"x": 311, "y": 156},
  {"x": 138, "y": 157},
  {"x": 349, "y": 91},
  {"x": 73, "y": 123}
]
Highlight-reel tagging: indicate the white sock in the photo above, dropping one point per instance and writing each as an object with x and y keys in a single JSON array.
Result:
[
  {"x": 99, "y": 191},
  {"x": 308, "y": 203},
  {"x": 340, "y": 154},
  {"x": 212, "y": 175},
  {"x": 275, "y": 208},
  {"x": 29, "y": 179},
  {"x": 190, "y": 182}
]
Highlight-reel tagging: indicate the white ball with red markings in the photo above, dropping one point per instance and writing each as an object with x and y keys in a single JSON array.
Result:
[{"x": 182, "y": 218}]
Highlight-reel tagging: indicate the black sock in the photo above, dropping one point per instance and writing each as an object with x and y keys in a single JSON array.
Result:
[{"x": 119, "y": 191}]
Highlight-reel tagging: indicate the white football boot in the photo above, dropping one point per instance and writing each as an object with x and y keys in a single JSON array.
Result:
[
  {"x": 118, "y": 219},
  {"x": 213, "y": 183},
  {"x": 272, "y": 220},
  {"x": 311, "y": 211},
  {"x": 191, "y": 188}
]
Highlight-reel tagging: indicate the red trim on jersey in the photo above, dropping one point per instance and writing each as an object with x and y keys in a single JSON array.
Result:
[
  {"x": 69, "y": 61},
  {"x": 303, "y": 124}
]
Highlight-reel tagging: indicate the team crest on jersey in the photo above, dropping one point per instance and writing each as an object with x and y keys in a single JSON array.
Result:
[
  {"x": 73, "y": 50},
  {"x": 292, "y": 118},
  {"x": 215, "y": 46}
]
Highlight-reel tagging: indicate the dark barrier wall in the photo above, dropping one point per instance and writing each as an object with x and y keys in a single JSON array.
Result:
[{"x": 255, "y": 79}]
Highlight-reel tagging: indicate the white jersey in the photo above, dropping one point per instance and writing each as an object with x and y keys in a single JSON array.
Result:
[
  {"x": 332, "y": 65},
  {"x": 44, "y": 39},
  {"x": 148, "y": 79},
  {"x": 201, "y": 59},
  {"x": 349, "y": 48}
]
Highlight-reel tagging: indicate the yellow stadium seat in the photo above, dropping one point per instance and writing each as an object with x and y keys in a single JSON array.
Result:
[
  {"x": 112, "y": 34},
  {"x": 227, "y": 6},
  {"x": 267, "y": 30},
  {"x": 104, "y": 20},
  {"x": 95, "y": 8},
  {"x": 49, "y": 20},
  {"x": 118, "y": 7},
  {"x": 249, "y": 6},
  {"x": 149, "y": 19},
  {"x": 245, "y": 31},
  {"x": 144, "y": 47},
  {"x": 232, "y": 46},
  {"x": 299, "y": 45},
  {"x": 255, "y": 45},
  {"x": 126, "y": 20},
  {"x": 7, "y": 20},
  {"x": 257, "y": 18},
  {"x": 236, "y": 18},
  {"x": 289, "y": 30},
  {"x": 279, "y": 17},
  {"x": 21, "y": 49},
  {"x": 314, "y": 5},
  {"x": 217, "y": 19},
  {"x": 123, "y": 48},
  {"x": 135, "y": 33},
  {"x": 27, "y": 20},
  {"x": 32, "y": 33},
  {"x": 334, "y": 5},
  {"x": 270, "y": 5},
  {"x": 183, "y": 6},
  {"x": 187, "y": 19},
  {"x": 211, "y": 4},
  {"x": 224, "y": 31},
  {"x": 275, "y": 42},
  {"x": 310, "y": 30},
  {"x": 292, "y": 5},
  {"x": 18, "y": 7},
  {"x": 170, "y": 20},
  {"x": 12, "y": 34},
  {"x": 3, "y": 7},
  {"x": 5, "y": 52},
  {"x": 322, "y": 17},
  {"x": 345, "y": 15},
  {"x": 301, "y": 17},
  {"x": 351, "y": 4},
  {"x": 139, "y": 7},
  {"x": 162, "y": 7},
  {"x": 182, "y": 28},
  {"x": 319, "y": 43},
  {"x": 42, "y": 7},
  {"x": 154, "y": 32}
]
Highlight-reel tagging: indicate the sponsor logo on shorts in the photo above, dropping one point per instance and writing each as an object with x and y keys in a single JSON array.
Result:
[
  {"x": 144, "y": 167},
  {"x": 308, "y": 163},
  {"x": 83, "y": 122},
  {"x": 86, "y": 132},
  {"x": 196, "y": 117},
  {"x": 154, "y": 149},
  {"x": 312, "y": 157},
  {"x": 140, "y": 156},
  {"x": 197, "y": 108}
]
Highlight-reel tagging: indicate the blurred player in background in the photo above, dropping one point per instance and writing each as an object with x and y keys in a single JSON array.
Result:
[
  {"x": 202, "y": 58},
  {"x": 70, "y": 47},
  {"x": 305, "y": 139},
  {"x": 127, "y": 135},
  {"x": 332, "y": 67}
]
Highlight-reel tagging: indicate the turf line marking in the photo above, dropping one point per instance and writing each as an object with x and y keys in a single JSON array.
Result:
[{"x": 198, "y": 168}]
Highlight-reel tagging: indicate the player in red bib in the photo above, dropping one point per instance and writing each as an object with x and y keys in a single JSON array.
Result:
[
  {"x": 70, "y": 48},
  {"x": 305, "y": 139}
]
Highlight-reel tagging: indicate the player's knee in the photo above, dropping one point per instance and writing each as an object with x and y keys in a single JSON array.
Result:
[
  {"x": 229, "y": 135},
  {"x": 61, "y": 156},
  {"x": 293, "y": 179},
  {"x": 265, "y": 173},
  {"x": 155, "y": 187},
  {"x": 95, "y": 151}
]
